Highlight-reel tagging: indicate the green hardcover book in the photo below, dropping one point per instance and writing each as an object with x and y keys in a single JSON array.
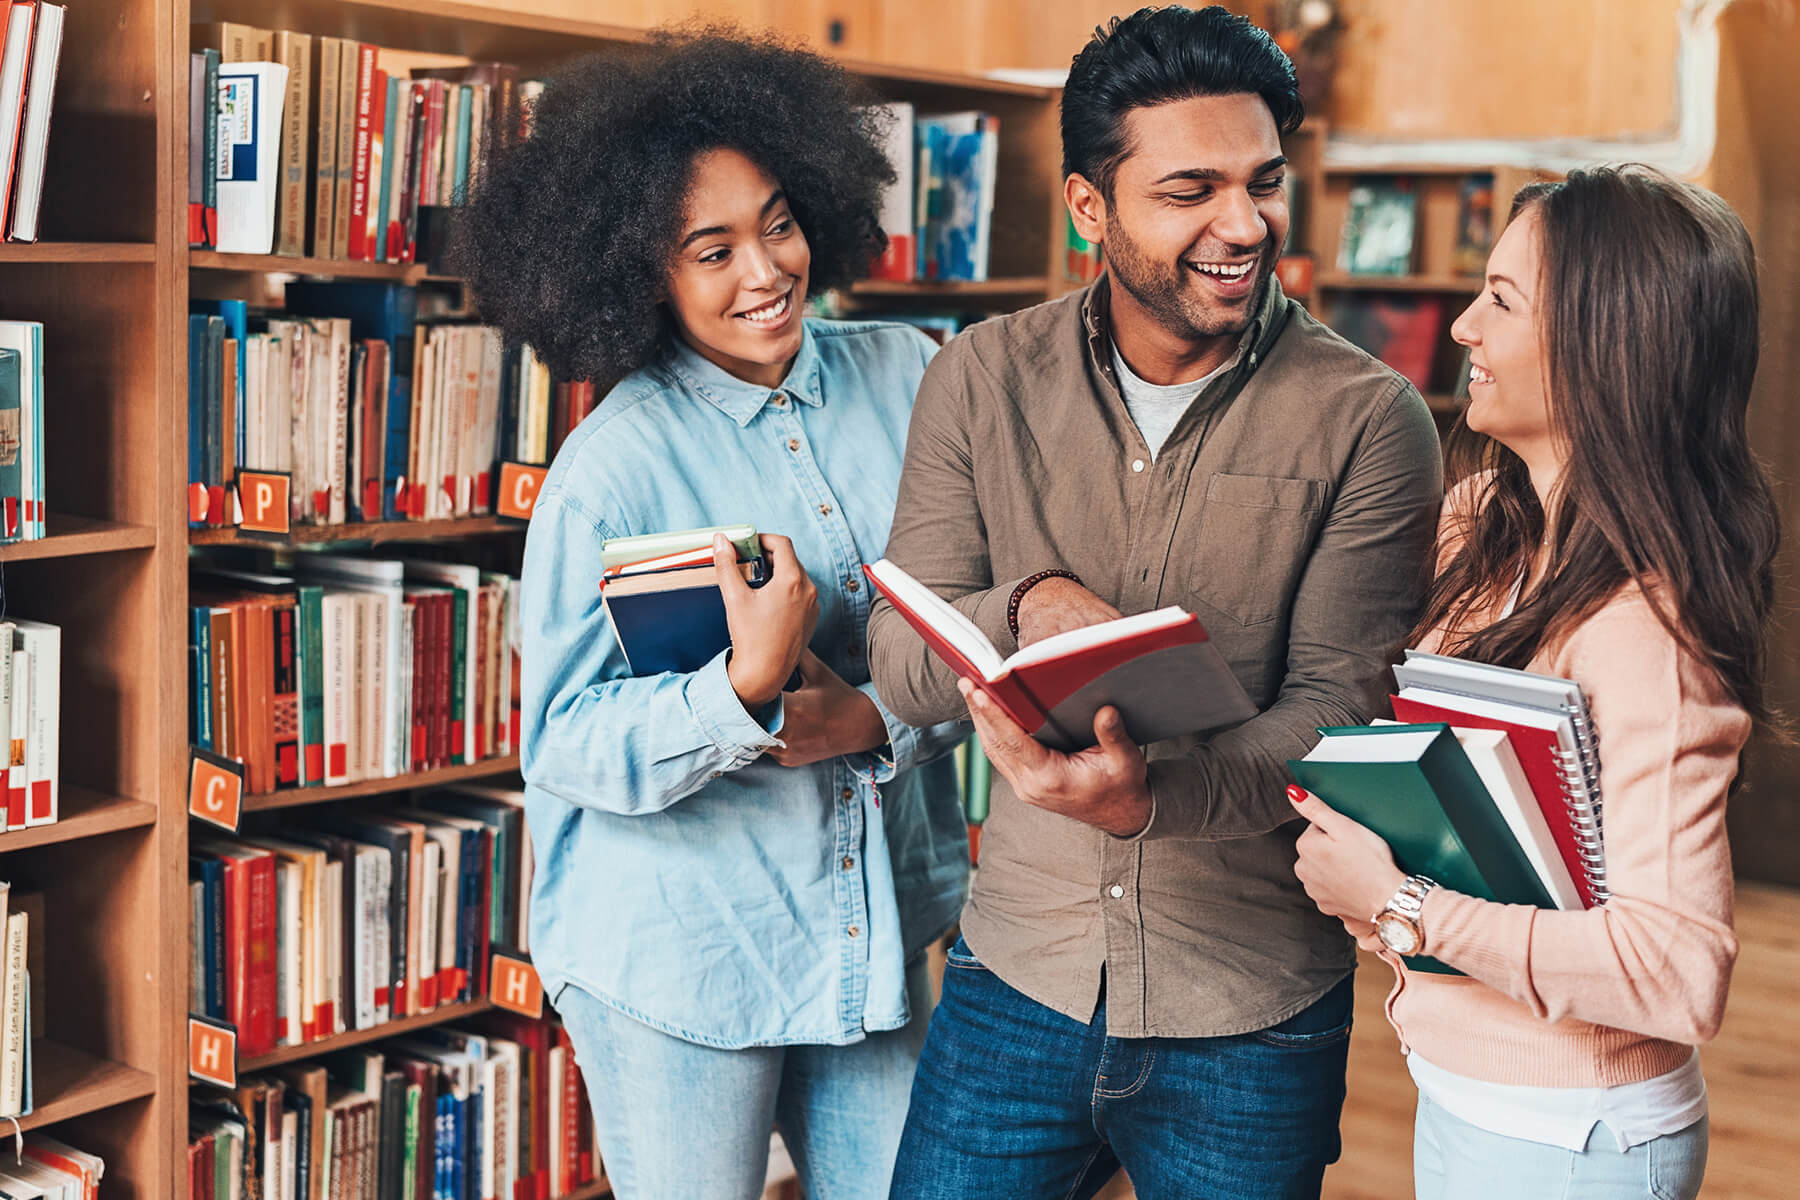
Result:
[
  {"x": 1414, "y": 785},
  {"x": 459, "y": 665},
  {"x": 410, "y": 1150},
  {"x": 625, "y": 551},
  {"x": 311, "y": 665},
  {"x": 981, "y": 779}
]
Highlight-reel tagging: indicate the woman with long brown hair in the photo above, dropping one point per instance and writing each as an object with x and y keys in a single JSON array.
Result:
[{"x": 1611, "y": 527}]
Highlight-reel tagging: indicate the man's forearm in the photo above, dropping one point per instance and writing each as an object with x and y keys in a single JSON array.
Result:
[{"x": 916, "y": 685}]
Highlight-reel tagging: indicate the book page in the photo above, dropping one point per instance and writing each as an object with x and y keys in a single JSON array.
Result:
[
  {"x": 1089, "y": 636},
  {"x": 948, "y": 623}
]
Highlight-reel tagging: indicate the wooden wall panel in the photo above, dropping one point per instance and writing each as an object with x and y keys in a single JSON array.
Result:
[{"x": 1757, "y": 168}]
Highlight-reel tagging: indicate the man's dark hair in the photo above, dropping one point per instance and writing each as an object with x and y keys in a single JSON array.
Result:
[
  {"x": 568, "y": 240},
  {"x": 1158, "y": 55}
]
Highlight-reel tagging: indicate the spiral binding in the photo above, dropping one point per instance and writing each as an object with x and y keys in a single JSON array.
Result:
[{"x": 1580, "y": 772}]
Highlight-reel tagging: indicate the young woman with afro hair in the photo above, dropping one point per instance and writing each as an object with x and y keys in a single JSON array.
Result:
[{"x": 735, "y": 884}]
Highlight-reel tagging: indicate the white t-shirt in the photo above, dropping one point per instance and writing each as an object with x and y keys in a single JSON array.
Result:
[
  {"x": 1155, "y": 407},
  {"x": 1552, "y": 1116}
]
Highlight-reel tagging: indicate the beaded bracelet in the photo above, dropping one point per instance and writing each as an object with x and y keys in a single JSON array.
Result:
[{"x": 1025, "y": 585}]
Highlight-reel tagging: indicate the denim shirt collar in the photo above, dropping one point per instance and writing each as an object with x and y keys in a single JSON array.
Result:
[{"x": 735, "y": 397}]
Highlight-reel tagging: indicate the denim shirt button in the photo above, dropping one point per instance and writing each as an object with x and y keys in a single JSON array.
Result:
[
  {"x": 853, "y": 931},
  {"x": 849, "y": 794},
  {"x": 793, "y": 443}
]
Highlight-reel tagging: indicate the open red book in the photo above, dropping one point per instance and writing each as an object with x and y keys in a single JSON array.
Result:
[{"x": 1158, "y": 668}]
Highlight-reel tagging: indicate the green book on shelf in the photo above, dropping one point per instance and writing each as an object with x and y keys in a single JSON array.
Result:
[
  {"x": 1379, "y": 222},
  {"x": 1415, "y": 787}
]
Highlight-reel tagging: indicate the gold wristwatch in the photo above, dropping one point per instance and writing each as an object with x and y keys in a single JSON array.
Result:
[{"x": 1398, "y": 925}]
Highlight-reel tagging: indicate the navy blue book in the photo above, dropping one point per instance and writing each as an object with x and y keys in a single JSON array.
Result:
[
  {"x": 388, "y": 311},
  {"x": 197, "y": 408},
  {"x": 671, "y": 620}
]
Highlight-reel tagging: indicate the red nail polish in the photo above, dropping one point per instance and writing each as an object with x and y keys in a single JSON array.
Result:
[{"x": 1296, "y": 793}]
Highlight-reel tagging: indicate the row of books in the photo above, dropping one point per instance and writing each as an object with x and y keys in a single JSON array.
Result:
[
  {"x": 335, "y": 668},
  {"x": 30, "y": 717},
  {"x": 351, "y": 917},
  {"x": 1488, "y": 781},
  {"x": 333, "y": 147},
  {"x": 1405, "y": 330},
  {"x": 493, "y": 1109},
  {"x": 21, "y": 1009},
  {"x": 938, "y": 215},
  {"x": 28, "y": 62},
  {"x": 372, "y": 413},
  {"x": 46, "y": 1169},
  {"x": 21, "y": 431},
  {"x": 1381, "y": 221}
]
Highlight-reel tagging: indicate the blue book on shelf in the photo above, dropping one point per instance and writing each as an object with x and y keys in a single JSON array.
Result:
[
  {"x": 459, "y": 187},
  {"x": 200, "y": 638},
  {"x": 236, "y": 315},
  {"x": 376, "y": 310},
  {"x": 196, "y": 400},
  {"x": 389, "y": 164}
]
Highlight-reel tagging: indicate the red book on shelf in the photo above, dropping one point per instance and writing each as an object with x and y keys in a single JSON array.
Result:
[
  {"x": 1159, "y": 669},
  {"x": 420, "y": 619},
  {"x": 1538, "y": 756},
  {"x": 359, "y": 161}
]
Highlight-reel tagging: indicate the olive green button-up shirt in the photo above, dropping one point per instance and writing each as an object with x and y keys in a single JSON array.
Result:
[{"x": 1292, "y": 509}]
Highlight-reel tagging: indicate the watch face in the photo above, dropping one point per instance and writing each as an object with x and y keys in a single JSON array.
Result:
[{"x": 1396, "y": 934}]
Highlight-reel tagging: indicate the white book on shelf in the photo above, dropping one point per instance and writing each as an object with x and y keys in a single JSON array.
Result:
[
  {"x": 34, "y": 131},
  {"x": 42, "y": 758},
  {"x": 431, "y": 905},
  {"x": 339, "y": 645},
  {"x": 249, "y": 159},
  {"x": 15, "y": 63}
]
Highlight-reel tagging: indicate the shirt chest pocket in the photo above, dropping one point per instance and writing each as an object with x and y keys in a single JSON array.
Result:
[{"x": 1255, "y": 534}]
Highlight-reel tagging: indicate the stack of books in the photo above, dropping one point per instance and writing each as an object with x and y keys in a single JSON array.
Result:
[
  {"x": 938, "y": 215},
  {"x": 374, "y": 414},
  {"x": 337, "y": 669},
  {"x": 53, "y": 1170},
  {"x": 661, "y": 595},
  {"x": 348, "y": 918},
  {"x": 28, "y": 60},
  {"x": 1491, "y": 787},
  {"x": 335, "y": 148},
  {"x": 492, "y": 1108},
  {"x": 30, "y": 716}
]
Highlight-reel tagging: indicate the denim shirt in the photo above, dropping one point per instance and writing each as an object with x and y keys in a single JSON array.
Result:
[{"x": 681, "y": 876}]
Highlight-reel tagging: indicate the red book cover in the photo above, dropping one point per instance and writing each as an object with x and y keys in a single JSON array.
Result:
[
  {"x": 478, "y": 710},
  {"x": 570, "y": 1143},
  {"x": 429, "y": 651},
  {"x": 420, "y": 617},
  {"x": 26, "y": 11},
  {"x": 442, "y": 667},
  {"x": 1537, "y": 753},
  {"x": 359, "y": 177},
  {"x": 285, "y": 714},
  {"x": 261, "y": 616},
  {"x": 237, "y": 945},
  {"x": 378, "y": 152},
  {"x": 257, "y": 1035}
]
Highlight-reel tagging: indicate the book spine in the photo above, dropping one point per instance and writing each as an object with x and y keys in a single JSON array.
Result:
[
  {"x": 357, "y": 237},
  {"x": 462, "y": 746},
  {"x": 209, "y": 224},
  {"x": 375, "y": 218},
  {"x": 257, "y": 1035},
  {"x": 12, "y": 1053},
  {"x": 286, "y": 715},
  {"x": 324, "y": 116},
  {"x": 295, "y": 50},
  {"x": 344, "y": 168}
]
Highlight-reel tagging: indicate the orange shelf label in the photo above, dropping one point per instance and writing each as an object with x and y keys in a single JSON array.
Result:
[{"x": 519, "y": 484}]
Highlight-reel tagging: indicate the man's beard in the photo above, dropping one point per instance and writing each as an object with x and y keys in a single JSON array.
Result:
[{"x": 1164, "y": 293}]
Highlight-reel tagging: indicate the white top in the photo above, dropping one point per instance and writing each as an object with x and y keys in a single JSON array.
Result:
[
  {"x": 1155, "y": 407},
  {"x": 1552, "y": 1116}
]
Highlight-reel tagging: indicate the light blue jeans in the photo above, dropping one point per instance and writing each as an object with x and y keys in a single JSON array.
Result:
[
  {"x": 1454, "y": 1160},
  {"x": 676, "y": 1120}
]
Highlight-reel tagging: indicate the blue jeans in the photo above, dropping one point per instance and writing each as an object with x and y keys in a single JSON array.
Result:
[
  {"x": 1015, "y": 1100},
  {"x": 676, "y": 1120},
  {"x": 1454, "y": 1160}
]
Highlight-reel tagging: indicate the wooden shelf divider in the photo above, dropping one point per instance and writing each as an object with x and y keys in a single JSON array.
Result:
[
  {"x": 334, "y": 268},
  {"x": 82, "y": 814},
  {"x": 373, "y": 532},
  {"x": 294, "y": 797},
  {"x": 67, "y": 1082},
  {"x": 927, "y": 289},
  {"x": 443, "y": 1014},
  {"x": 71, "y": 536},
  {"x": 77, "y": 252}
]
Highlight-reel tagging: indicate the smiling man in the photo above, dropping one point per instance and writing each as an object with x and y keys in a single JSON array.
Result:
[{"x": 1142, "y": 980}]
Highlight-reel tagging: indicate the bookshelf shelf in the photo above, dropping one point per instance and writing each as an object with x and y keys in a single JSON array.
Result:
[
  {"x": 73, "y": 536},
  {"x": 323, "y": 268},
  {"x": 83, "y": 814},
  {"x": 70, "y": 1083},
  {"x": 295, "y": 797},
  {"x": 441, "y": 1015},
  {"x": 1024, "y": 285},
  {"x": 372, "y": 532},
  {"x": 77, "y": 252},
  {"x": 1345, "y": 281}
]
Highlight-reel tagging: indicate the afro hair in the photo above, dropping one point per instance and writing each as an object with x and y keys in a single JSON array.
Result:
[{"x": 568, "y": 240}]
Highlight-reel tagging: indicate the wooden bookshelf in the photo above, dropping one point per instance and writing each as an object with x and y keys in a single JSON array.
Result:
[
  {"x": 111, "y": 281},
  {"x": 441, "y": 777},
  {"x": 370, "y": 532}
]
